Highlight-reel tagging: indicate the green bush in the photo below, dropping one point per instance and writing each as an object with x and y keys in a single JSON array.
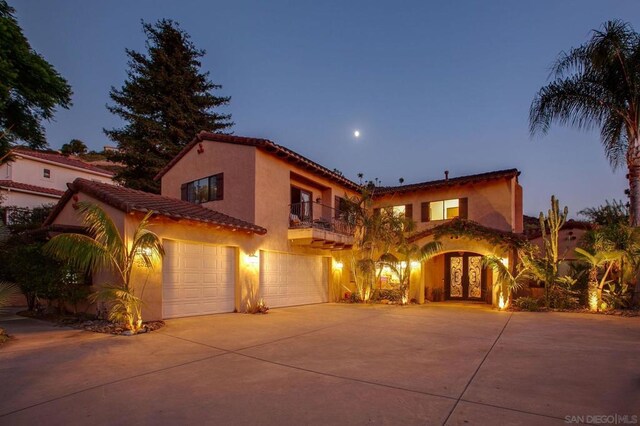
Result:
[
  {"x": 617, "y": 296},
  {"x": 39, "y": 276}
]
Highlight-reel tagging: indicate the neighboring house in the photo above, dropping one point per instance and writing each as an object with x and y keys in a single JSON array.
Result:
[
  {"x": 569, "y": 237},
  {"x": 244, "y": 218},
  {"x": 35, "y": 178}
]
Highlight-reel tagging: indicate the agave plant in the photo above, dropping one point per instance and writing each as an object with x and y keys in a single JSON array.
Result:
[{"x": 104, "y": 248}]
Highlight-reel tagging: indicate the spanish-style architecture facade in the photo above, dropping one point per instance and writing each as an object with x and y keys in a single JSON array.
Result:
[{"x": 244, "y": 218}]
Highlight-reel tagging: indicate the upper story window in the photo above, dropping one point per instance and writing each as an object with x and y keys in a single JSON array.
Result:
[
  {"x": 203, "y": 190},
  {"x": 46, "y": 173},
  {"x": 444, "y": 209},
  {"x": 405, "y": 210}
]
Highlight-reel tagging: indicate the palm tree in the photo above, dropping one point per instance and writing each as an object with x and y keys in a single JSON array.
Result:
[
  {"x": 401, "y": 264},
  {"x": 104, "y": 248},
  {"x": 597, "y": 85},
  {"x": 509, "y": 282},
  {"x": 596, "y": 261}
]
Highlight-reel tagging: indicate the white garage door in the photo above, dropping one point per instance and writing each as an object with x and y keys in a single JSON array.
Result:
[
  {"x": 197, "y": 279},
  {"x": 289, "y": 279}
]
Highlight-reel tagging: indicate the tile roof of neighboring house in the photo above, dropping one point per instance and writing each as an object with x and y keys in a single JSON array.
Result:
[
  {"x": 461, "y": 180},
  {"x": 128, "y": 200},
  {"x": 534, "y": 232},
  {"x": 61, "y": 159},
  {"x": 31, "y": 188},
  {"x": 268, "y": 147}
]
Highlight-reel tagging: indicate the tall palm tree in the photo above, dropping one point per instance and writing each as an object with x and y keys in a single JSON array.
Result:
[
  {"x": 597, "y": 85},
  {"x": 104, "y": 248}
]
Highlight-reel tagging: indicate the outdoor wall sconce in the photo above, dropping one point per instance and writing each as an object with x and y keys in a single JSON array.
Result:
[
  {"x": 253, "y": 259},
  {"x": 338, "y": 265}
]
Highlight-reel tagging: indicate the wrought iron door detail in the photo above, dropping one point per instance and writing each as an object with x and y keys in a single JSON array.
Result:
[
  {"x": 475, "y": 276},
  {"x": 456, "y": 277},
  {"x": 464, "y": 276}
]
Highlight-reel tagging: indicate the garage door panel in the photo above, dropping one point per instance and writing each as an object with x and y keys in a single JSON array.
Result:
[
  {"x": 288, "y": 280},
  {"x": 197, "y": 279}
]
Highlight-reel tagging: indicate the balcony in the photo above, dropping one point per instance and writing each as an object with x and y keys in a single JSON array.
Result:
[{"x": 318, "y": 226}]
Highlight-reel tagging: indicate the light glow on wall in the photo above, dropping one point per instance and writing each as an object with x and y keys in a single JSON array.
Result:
[
  {"x": 338, "y": 265},
  {"x": 252, "y": 259},
  {"x": 501, "y": 302}
]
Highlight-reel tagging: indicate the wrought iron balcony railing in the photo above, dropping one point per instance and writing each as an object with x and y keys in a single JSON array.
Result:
[{"x": 319, "y": 216}]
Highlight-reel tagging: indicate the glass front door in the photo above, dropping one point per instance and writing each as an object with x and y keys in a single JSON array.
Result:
[{"x": 464, "y": 276}]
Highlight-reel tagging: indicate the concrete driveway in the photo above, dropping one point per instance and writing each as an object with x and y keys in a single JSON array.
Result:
[{"x": 328, "y": 364}]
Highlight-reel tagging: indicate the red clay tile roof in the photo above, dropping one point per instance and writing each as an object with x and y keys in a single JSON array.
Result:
[
  {"x": 534, "y": 230},
  {"x": 268, "y": 147},
  {"x": 31, "y": 188},
  {"x": 461, "y": 180},
  {"x": 129, "y": 200},
  {"x": 61, "y": 159}
]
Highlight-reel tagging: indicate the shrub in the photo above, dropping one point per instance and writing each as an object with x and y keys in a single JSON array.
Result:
[
  {"x": 258, "y": 307},
  {"x": 437, "y": 295},
  {"x": 527, "y": 304},
  {"x": 563, "y": 298},
  {"x": 393, "y": 295},
  {"x": 617, "y": 296}
]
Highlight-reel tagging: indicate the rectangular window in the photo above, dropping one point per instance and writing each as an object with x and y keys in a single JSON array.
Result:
[
  {"x": 46, "y": 173},
  {"x": 445, "y": 209},
  {"x": 203, "y": 190},
  {"x": 399, "y": 210},
  {"x": 340, "y": 207}
]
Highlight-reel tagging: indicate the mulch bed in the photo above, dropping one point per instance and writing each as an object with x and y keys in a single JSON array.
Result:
[
  {"x": 86, "y": 322},
  {"x": 613, "y": 312}
]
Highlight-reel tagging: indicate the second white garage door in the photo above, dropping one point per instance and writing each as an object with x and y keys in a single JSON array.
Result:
[
  {"x": 289, "y": 279},
  {"x": 197, "y": 279}
]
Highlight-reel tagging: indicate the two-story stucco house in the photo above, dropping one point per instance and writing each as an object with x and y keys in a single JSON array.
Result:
[
  {"x": 243, "y": 218},
  {"x": 35, "y": 178}
]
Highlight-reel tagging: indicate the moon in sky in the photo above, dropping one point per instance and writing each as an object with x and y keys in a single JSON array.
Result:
[{"x": 356, "y": 133}]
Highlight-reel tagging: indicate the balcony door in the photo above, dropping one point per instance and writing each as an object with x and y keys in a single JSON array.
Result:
[
  {"x": 464, "y": 276},
  {"x": 301, "y": 204}
]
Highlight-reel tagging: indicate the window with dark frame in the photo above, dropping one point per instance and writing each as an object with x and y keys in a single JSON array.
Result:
[
  {"x": 444, "y": 209},
  {"x": 203, "y": 190},
  {"x": 46, "y": 173}
]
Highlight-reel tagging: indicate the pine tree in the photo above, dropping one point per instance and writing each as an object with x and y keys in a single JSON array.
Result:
[{"x": 165, "y": 101}]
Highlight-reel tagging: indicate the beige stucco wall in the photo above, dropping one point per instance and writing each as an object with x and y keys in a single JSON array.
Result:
[
  {"x": 12, "y": 197},
  {"x": 237, "y": 162},
  {"x": 496, "y": 203},
  {"x": 258, "y": 189}
]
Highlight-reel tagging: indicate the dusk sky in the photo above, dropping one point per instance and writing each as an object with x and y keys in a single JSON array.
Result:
[{"x": 431, "y": 86}]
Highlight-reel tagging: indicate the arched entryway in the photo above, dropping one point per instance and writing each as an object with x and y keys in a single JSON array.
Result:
[{"x": 465, "y": 277}]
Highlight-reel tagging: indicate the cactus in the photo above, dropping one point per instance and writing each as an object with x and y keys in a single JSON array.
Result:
[{"x": 554, "y": 221}]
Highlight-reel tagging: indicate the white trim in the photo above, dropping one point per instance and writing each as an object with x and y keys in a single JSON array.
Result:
[
  {"x": 26, "y": 191},
  {"x": 56, "y": 163}
]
